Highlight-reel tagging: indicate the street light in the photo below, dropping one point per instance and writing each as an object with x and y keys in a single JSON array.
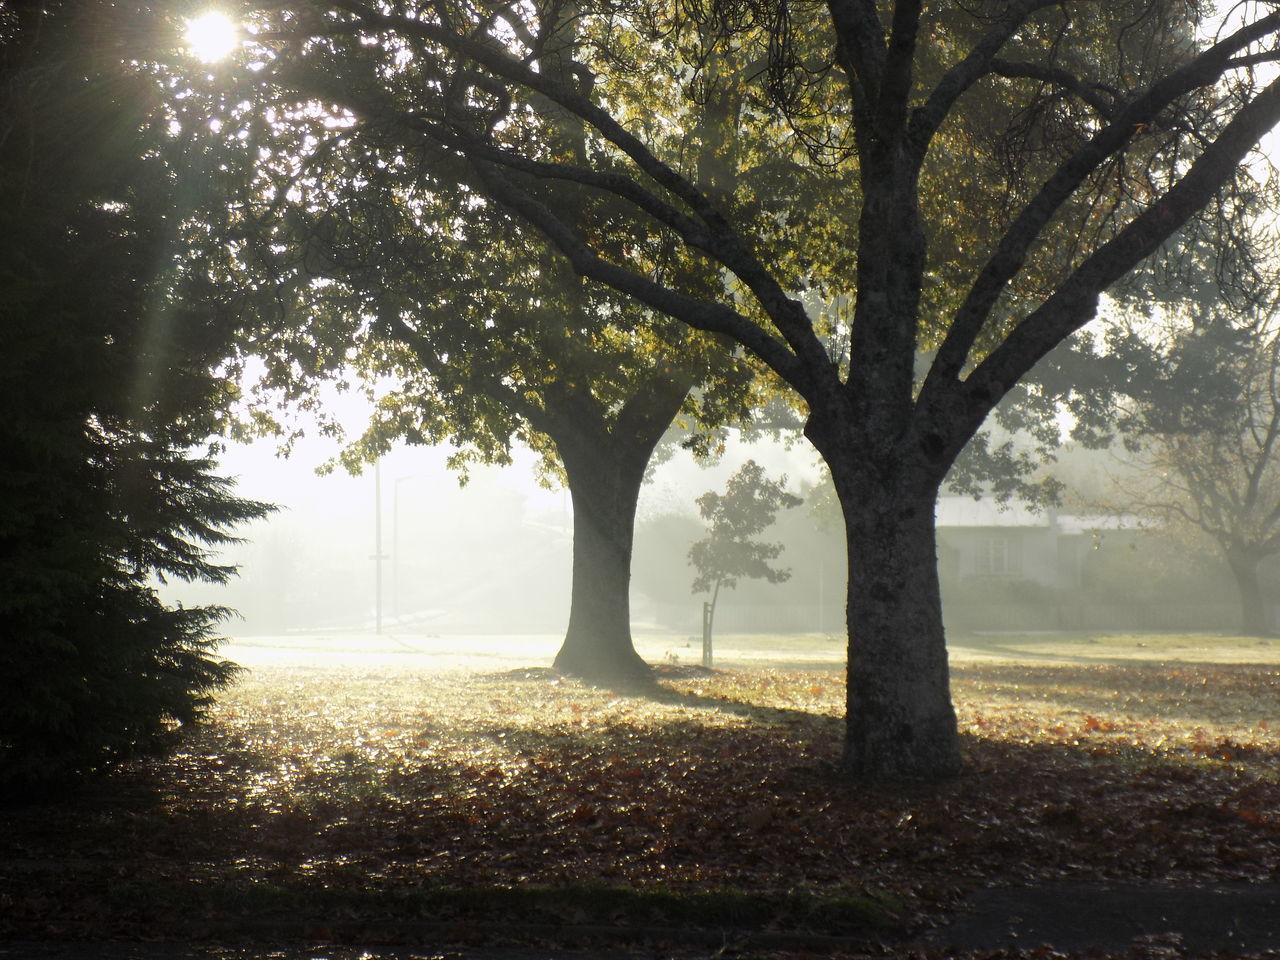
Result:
[
  {"x": 395, "y": 545},
  {"x": 378, "y": 555}
]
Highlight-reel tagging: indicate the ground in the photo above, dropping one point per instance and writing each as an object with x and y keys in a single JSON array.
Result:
[{"x": 386, "y": 790}]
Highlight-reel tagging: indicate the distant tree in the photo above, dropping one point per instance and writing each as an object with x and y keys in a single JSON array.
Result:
[
  {"x": 1207, "y": 445},
  {"x": 108, "y": 395},
  {"x": 729, "y": 551}
]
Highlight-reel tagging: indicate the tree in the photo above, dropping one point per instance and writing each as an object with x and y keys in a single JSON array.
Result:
[
  {"x": 749, "y": 504},
  {"x": 487, "y": 336},
  {"x": 1091, "y": 134},
  {"x": 1205, "y": 435},
  {"x": 107, "y": 389},
  {"x": 367, "y": 267}
]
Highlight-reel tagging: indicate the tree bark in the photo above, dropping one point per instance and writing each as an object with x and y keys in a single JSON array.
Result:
[
  {"x": 1244, "y": 568},
  {"x": 605, "y": 465},
  {"x": 605, "y": 488},
  {"x": 900, "y": 722}
]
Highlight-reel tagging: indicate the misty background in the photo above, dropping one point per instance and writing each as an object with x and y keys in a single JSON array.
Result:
[{"x": 494, "y": 556}]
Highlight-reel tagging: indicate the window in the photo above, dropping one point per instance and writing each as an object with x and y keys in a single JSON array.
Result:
[{"x": 999, "y": 557}]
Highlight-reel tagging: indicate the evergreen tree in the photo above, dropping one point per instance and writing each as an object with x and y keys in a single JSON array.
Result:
[{"x": 108, "y": 390}]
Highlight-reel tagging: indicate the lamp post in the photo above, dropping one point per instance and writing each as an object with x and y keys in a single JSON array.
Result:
[
  {"x": 378, "y": 555},
  {"x": 395, "y": 545}
]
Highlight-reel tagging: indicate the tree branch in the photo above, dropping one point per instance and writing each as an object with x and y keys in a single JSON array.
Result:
[
  {"x": 516, "y": 71},
  {"x": 1008, "y": 258},
  {"x": 860, "y": 38},
  {"x": 927, "y": 118},
  {"x": 1091, "y": 94},
  {"x": 717, "y": 238},
  {"x": 712, "y": 317},
  {"x": 895, "y": 84},
  {"x": 1075, "y": 301}
]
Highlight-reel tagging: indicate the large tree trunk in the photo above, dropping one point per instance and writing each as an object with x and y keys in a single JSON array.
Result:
[
  {"x": 900, "y": 722},
  {"x": 1244, "y": 567},
  {"x": 597, "y": 645},
  {"x": 605, "y": 462}
]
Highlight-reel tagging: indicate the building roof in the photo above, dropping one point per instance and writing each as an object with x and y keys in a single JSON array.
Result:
[
  {"x": 1081, "y": 523},
  {"x": 987, "y": 512},
  {"x": 953, "y": 512}
]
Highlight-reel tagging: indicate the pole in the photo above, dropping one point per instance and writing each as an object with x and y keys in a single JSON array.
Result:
[
  {"x": 395, "y": 549},
  {"x": 395, "y": 546},
  {"x": 822, "y": 595},
  {"x": 378, "y": 555}
]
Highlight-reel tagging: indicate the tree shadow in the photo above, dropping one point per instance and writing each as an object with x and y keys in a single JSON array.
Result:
[
  {"x": 658, "y": 691},
  {"x": 751, "y": 800}
]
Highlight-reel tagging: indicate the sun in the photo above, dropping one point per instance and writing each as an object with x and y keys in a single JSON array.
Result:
[{"x": 212, "y": 36}]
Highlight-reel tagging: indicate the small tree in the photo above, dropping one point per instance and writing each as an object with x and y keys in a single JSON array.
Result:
[{"x": 749, "y": 504}]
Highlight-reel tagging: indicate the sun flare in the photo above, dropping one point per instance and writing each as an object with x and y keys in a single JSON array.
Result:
[{"x": 212, "y": 36}]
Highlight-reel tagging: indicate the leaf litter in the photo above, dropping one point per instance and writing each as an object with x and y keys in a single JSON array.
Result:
[{"x": 336, "y": 803}]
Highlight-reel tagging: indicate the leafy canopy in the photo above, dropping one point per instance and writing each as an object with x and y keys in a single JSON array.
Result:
[{"x": 749, "y": 505}]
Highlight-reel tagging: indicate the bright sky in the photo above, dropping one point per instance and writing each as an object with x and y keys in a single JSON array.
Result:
[{"x": 211, "y": 36}]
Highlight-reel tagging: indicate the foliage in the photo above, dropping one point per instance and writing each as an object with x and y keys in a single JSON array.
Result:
[
  {"x": 364, "y": 804},
  {"x": 1203, "y": 434},
  {"x": 348, "y": 256},
  {"x": 107, "y": 389},
  {"x": 748, "y": 506},
  {"x": 1088, "y": 143}
]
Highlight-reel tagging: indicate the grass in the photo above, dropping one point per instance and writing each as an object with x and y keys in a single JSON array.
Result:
[
  {"x": 339, "y": 803},
  {"x": 1176, "y": 647},
  {"x": 813, "y": 649}
]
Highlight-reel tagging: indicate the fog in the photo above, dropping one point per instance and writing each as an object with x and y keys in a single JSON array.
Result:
[{"x": 491, "y": 557}]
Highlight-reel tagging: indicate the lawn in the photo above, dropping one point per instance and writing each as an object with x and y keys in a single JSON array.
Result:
[
  {"x": 384, "y": 805},
  {"x": 815, "y": 650}
]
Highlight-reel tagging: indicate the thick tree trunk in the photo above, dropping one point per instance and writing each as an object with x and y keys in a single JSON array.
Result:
[
  {"x": 1244, "y": 568},
  {"x": 900, "y": 722},
  {"x": 597, "y": 645},
  {"x": 605, "y": 461}
]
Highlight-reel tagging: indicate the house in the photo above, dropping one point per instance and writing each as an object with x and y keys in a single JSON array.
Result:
[{"x": 986, "y": 540}]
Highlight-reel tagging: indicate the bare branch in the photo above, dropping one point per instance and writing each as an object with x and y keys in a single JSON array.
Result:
[
  {"x": 1096, "y": 95},
  {"x": 1075, "y": 301},
  {"x": 927, "y": 118}
]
